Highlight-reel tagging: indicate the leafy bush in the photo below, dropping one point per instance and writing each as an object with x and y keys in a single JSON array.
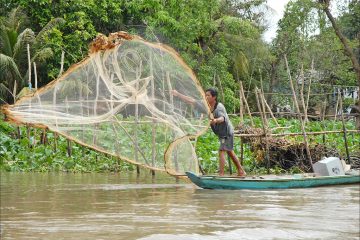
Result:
[{"x": 30, "y": 155}]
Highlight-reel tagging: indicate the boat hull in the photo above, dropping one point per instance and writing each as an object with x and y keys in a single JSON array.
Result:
[{"x": 217, "y": 182}]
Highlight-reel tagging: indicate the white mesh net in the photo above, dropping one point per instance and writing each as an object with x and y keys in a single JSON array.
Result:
[{"x": 119, "y": 101}]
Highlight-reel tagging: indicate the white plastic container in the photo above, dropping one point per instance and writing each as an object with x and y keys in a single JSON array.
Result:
[{"x": 330, "y": 166}]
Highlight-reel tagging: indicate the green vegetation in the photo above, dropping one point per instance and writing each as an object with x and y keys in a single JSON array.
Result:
[
  {"x": 23, "y": 155},
  {"x": 220, "y": 40}
]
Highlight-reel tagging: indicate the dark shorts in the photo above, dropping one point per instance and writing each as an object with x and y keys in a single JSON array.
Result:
[{"x": 226, "y": 144}]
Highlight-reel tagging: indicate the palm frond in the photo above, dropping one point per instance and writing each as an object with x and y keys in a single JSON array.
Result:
[
  {"x": 241, "y": 63},
  {"x": 26, "y": 37},
  {"x": 42, "y": 55},
  {"x": 16, "y": 19},
  {"x": 4, "y": 93},
  {"x": 50, "y": 25},
  {"x": 5, "y": 46},
  {"x": 7, "y": 64}
]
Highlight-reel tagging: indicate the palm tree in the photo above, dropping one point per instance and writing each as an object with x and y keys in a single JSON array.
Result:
[{"x": 14, "y": 38}]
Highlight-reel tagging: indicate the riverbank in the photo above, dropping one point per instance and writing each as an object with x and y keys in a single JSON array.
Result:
[{"x": 26, "y": 149}]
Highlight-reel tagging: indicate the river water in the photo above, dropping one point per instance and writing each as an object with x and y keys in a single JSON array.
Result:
[{"x": 124, "y": 206}]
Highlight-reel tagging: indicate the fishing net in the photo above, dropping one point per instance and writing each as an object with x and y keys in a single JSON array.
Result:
[{"x": 120, "y": 101}]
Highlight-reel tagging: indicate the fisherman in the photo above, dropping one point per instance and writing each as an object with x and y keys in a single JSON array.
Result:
[{"x": 221, "y": 126}]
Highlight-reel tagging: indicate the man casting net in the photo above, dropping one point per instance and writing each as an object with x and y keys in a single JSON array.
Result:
[{"x": 118, "y": 101}]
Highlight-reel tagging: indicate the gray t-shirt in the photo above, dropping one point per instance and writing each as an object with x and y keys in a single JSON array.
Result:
[{"x": 224, "y": 129}]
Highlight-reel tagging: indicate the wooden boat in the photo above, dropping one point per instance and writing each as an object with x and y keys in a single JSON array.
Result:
[{"x": 271, "y": 182}]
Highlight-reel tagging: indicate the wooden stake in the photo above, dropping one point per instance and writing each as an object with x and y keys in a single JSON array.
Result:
[
  {"x": 295, "y": 134},
  {"x": 28, "y": 135},
  {"x": 264, "y": 127},
  {"x": 19, "y": 133},
  {"x": 61, "y": 63},
  {"x": 246, "y": 104},
  {"x": 309, "y": 88},
  {"x": 302, "y": 93},
  {"x": 35, "y": 74},
  {"x": 169, "y": 85},
  {"x": 337, "y": 105},
  {"x": 153, "y": 126},
  {"x": 136, "y": 123},
  {"x": 344, "y": 129},
  {"x": 69, "y": 148},
  {"x": 298, "y": 111},
  {"x": 137, "y": 170},
  {"x": 29, "y": 65},
  {"x": 241, "y": 112},
  {"x": 34, "y": 138},
  {"x": 269, "y": 109},
  {"x": 323, "y": 112},
  {"x": 241, "y": 151},
  {"x": 55, "y": 141}
]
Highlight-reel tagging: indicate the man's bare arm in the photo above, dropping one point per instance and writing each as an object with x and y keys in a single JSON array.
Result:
[{"x": 183, "y": 97}]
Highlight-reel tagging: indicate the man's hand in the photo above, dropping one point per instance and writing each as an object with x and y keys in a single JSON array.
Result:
[
  {"x": 217, "y": 120},
  {"x": 213, "y": 121},
  {"x": 174, "y": 93}
]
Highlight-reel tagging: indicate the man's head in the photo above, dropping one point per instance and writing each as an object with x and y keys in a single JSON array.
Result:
[{"x": 211, "y": 95}]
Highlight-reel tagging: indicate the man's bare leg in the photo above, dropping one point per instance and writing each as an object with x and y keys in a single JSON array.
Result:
[
  {"x": 222, "y": 162},
  {"x": 240, "y": 170}
]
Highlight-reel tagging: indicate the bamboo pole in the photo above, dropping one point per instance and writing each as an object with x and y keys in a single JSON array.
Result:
[
  {"x": 169, "y": 85},
  {"x": 44, "y": 137},
  {"x": 323, "y": 118},
  {"x": 61, "y": 63},
  {"x": 68, "y": 141},
  {"x": 344, "y": 129},
  {"x": 14, "y": 91},
  {"x": 246, "y": 104},
  {"x": 337, "y": 106},
  {"x": 290, "y": 94},
  {"x": 298, "y": 110},
  {"x": 55, "y": 141},
  {"x": 136, "y": 123},
  {"x": 28, "y": 135},
  {"x": 261, "y": 107},
  {"x": 241, "y": 151},
  {"x": 153, "y": 125},
  {"x": 296, "y": 115},
  {"x": 29, "y": 65},
  {"x": 309, "y": 88},
  {"x": 302, "y": 93},
  {"x": 264, "y": 127},
  {"x": 241, "y": 112},
  {"x": 55, "y": 89},
  {"x": 35, "y": 74},
  {"x": 269, "y": 109},
  {"x": 19, "y": 133},
  {"x": 69, "y": 148},
  {"x": 261, "y": 81},
  {"x": 34, "y": 138},
  {"x": 295, "y": 134}
]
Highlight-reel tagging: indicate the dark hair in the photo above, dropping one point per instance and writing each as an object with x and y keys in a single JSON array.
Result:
[{"x": 213, "y": 92}]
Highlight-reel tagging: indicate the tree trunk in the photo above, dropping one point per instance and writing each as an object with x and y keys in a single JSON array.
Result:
[
  {"x": 272, "y": 82},
  {"x": 348, "y": 52}
]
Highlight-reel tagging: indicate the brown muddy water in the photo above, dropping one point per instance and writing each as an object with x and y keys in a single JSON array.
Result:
[{"x": 124, "y": 206}]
